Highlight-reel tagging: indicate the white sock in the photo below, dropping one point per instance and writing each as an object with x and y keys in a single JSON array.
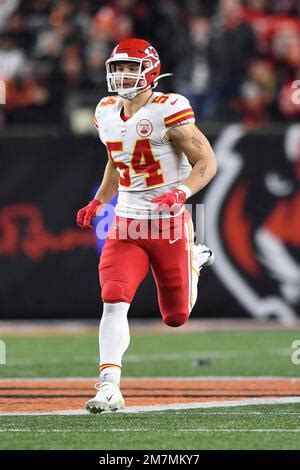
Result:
[{"x": 114, "y": 339}]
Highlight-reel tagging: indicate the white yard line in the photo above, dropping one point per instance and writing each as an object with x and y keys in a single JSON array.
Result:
[
  {"x": 212, "y": 404},
  {"x": 174, "y": 406},
  {"x": 235, "y": 413}
]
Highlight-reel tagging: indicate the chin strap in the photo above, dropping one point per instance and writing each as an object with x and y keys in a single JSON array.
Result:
[{"x": 133, "y": 94}]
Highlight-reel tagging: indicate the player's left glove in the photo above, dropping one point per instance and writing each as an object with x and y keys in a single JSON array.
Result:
[{"x": 172, "y": 201}]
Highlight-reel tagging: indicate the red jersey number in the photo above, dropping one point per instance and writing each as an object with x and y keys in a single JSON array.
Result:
[{"x": 142, "y": 161}]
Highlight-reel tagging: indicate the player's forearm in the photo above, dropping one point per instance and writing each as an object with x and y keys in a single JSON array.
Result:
[
  {"x": 105, "y": 194},
  {"x": 109, "y": 186},
  {"x": 202, "y": 173}
]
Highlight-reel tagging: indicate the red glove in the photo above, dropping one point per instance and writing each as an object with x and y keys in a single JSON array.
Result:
[
  {"x": 87, "y": 213},
  {"x": 172, "y": 201}
]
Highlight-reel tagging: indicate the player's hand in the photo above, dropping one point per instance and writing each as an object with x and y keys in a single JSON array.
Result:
[
  {"x": 87, "y": 213},
  {"x": 171, "y": 202}
]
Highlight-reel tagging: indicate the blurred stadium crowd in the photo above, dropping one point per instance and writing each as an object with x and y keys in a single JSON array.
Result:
[{"x": 235, "y": 60}]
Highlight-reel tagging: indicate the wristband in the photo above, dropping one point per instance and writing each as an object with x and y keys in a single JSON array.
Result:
[{"x": 185, "y": 189}]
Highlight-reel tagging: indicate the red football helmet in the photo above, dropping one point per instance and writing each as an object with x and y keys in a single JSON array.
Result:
[{"x": 143, "y": 54}]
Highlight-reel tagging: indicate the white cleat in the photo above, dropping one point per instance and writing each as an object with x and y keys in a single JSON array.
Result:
[
  {"x": 108, "y": 398},
  {"x": 202, "y": 256}
]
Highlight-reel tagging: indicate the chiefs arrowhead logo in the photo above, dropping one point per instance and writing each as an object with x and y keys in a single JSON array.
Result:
[
  {"x": 144, "y": 128},
  {"x": 253, "y": 220}
]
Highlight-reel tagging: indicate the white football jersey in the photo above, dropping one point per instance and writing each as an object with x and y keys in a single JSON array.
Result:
[{"x": 147, "y": 162}]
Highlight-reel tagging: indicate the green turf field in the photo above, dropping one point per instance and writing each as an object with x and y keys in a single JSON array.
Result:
[
  {"x": 240, "y": 353},
  {"x": 253, "y": 427},
  {"x": 157, "y": 355}
]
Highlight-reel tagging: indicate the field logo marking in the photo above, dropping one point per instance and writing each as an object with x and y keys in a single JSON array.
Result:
[
  {"x": 295, "y": 357},
  {"x": 2, "y": 352}
]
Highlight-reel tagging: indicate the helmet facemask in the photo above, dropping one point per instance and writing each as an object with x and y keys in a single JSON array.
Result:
[{"x": 127, "y": 85}]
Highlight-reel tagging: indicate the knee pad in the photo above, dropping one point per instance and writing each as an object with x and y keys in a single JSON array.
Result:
[
  {"x": 113, "y": 291},
  {"x": 176, "y": 319}
]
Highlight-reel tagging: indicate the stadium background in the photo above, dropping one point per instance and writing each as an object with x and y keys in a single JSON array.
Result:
[{"x": 237, "y": 62}]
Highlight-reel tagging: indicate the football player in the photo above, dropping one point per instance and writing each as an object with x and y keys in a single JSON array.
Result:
[{"x": 157, "y": 159}]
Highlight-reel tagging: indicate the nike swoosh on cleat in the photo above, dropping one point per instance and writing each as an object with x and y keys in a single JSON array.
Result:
[{"x": 109, "y": 398}]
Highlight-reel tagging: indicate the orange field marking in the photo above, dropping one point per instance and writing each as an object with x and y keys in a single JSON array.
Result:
[{"x": 60, "y": 395}]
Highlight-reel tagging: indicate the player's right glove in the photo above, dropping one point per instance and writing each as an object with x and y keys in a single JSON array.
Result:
[{"x": 87, "y": 213}]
